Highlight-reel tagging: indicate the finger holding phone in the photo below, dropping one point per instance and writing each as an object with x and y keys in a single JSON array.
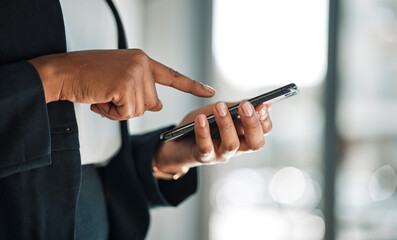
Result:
[
  {"x": 215, "y": 133},
  {"x": 245, "y": 134}
]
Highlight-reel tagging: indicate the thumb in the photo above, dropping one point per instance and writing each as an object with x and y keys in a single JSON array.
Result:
[{"x": 107, "y": 110}]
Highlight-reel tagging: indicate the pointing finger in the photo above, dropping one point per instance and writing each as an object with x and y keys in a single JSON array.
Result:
[{"x": 166, "y": 76}]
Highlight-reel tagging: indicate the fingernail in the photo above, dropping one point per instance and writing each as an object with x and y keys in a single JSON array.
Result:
[
  {"x": 247, "y": 109},
  {"x": 262, "y": 114},
  {"x": 221, "y": 108},
  {"x": 209, "y": 89},
  {"x": 202, "y": 121}
]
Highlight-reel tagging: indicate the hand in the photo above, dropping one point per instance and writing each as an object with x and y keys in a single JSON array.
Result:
[
  {"x": 120, "y": 84},
  {"x": 246, "y": 134}
]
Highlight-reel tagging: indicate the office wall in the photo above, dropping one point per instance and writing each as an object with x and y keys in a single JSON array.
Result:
[{"x": 169, "y": 31}]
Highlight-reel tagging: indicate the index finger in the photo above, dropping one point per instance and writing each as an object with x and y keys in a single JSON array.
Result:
[{"x": 167, "y": 76}]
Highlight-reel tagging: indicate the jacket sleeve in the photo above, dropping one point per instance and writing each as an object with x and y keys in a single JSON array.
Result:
[
  {"x": 159, "y": 192},
  {"x": 24, "y": 124}
]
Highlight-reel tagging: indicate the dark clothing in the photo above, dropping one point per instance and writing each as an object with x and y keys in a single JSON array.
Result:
[
  {"x": 40, "y": 168},
  {"x": 91, "y": 216}
]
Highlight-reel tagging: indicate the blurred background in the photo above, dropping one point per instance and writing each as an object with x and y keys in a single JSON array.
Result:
[{"x": 328, "y": 170}]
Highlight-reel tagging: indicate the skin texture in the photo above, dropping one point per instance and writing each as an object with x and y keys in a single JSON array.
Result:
[
  {"x": 120, "y": 84},
  {"x": 246, "y": 134}
]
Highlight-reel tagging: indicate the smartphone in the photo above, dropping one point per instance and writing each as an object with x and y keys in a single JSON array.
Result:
[{"x": 269, "y": 97}]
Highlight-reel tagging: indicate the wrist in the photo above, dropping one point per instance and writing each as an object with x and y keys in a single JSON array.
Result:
[{"x": 50, "y": 78}]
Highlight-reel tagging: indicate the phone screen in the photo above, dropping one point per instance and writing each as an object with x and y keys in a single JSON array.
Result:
[{"x": 269, "y": 97}]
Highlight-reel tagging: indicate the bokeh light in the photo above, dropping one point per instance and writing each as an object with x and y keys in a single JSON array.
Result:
[
  {"x": 383, "y": 183},
  {"x": 287, "y": 185}
]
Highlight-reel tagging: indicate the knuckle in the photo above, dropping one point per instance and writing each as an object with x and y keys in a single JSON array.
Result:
[
  {"x": 138, "y": 114},
  {"x": 136, "y": 70},
  {"x": 113, "y": 94},
  {"x": 139, "y": 111},
  {"x": 195, "y": 84},
  {"x": 232, "y": 147},
  {"x": 126, "y": 84},
  {"x": 206, "y": 154},
  {"x": 174, "y": 73},
  {"x": 137, "y": 50},
  {"x": 120, "y": 93},
  {"x": 139, "y": 54},
  {"x": 157, "y": 107},
  {"x": 204, "y": 150},
  {"x": 127, "y": 115},
  {"x": 229, "y": 151},
  {"x": 151, "y": 103}
]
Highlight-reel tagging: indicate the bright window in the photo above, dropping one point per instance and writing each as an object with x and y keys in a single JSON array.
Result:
[{"x": 258, "y": 43}]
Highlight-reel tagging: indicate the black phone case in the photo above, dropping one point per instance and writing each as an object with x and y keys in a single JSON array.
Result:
[{"x": 188, "y": 129}]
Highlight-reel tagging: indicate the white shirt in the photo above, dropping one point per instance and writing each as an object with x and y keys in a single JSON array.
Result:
[{"x": 90, "y": 24}]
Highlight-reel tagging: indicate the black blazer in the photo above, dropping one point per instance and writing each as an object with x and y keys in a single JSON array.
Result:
[{"x": 40, "y": 168}]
